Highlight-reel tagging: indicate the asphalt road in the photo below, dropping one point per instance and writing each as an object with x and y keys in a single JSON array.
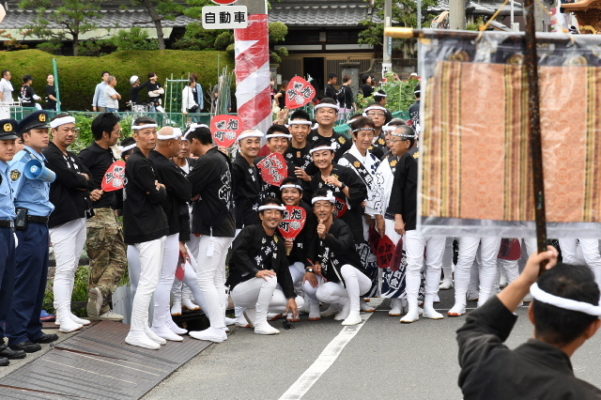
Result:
[{"x": 383, "y": 360}]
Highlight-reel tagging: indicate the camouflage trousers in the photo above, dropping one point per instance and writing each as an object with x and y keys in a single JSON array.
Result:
[{"x": 107, "y": 253}]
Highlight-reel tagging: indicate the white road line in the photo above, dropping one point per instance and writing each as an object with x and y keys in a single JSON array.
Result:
[{"x": 324, "y": 361}]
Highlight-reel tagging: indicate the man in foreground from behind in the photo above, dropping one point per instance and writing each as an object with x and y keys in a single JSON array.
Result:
[{"x": 565, "y": 312}]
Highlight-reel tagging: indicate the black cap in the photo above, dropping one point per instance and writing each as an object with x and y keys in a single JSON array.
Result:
[
  {"x": 8, "y": 129},
  {"x": 38, "y": 119}
]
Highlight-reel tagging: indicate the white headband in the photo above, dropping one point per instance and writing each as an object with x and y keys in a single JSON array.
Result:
[
  {"x": 318, "y": 148},
  {"x": 327, "y": 105},
  {"x": 378, "y": 94},
  {"x": 291, "y": 186},
  {"x": 351, "y": 121},
  {"x": 279, "y": 134},
  {"x": 363, "y": 129},
  {"x": 128, "y": 147},
  {"x": 250, "y": 134},
  {"x": 192, "y": 128},
  {"x": 272, "y": 207},
  {"x": 561, "y": 302},
  {"x": 403, "y": 135},
  {"x": 299, "y": 122},
  {"x": 55, "y": 123},
  {"x": 140, "y": 127},
  {"x": 176, "y": 134},
  {"x": 371, "y": 108},
  {"x": 390, "y": 128},
  {"x": 331, "y": 199}
]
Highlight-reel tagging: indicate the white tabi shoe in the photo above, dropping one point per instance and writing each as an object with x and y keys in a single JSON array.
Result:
[
  {"x": 353, "y": 319},
  {"x": 167, "y": 334},
  {"x": 266, "y": 329},
  {"x": 396, "y": 306},
  {"x": 411, "y": 316},
  {"x": 457, "y": 310},
  {"x": 365, "y": 307},
  {"x": 446, "y": 284},
  {"x": 80, "y": 321},
  {"x": 189, "y": 305},
  {"x": 230, "y": 321},
  {"x": 432, "y": 314},
  {"x": 214, "y": 335},
  {"x": 176, "y": 329},
  {"x": 140, "y": 339},
  {"x": 153, "y": 336},
  {"x": 66, "y": 324},
  {"x": 344, "y": 312},
  {"x": 176, "y": 309}
]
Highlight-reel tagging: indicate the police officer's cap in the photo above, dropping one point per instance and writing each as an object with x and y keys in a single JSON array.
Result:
[
  {"x": 38, "y": 119},
  {"x": 8, "y": 129}
]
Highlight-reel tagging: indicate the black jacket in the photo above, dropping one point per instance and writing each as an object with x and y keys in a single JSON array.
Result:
[
  {"x": 534, "y": 370},
  {"x": 403, "y": 198},
  {"x": 179, "y": 192},
  {"x": 340, "y": 142},
  {"x": 69, "y": 192},
  {"x": 98, "y": 161},
  {"x": 247, "y": 187},
  {"x": 211, "y": 178},
  {"x": 300, "y": 158},
  {"x": 336, "y": 250},
  {"x": 253, "y": 250},
  {"x": 358, "y": 193},
  {"x": 143, "y": 216}
]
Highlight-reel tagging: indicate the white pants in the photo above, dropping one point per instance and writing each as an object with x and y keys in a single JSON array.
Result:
[
  {"x": 211, "y": 276},
  {"x": 468, "y": 248},
  {"x": 263, "y": 295},
  {"x": 589, "y": 254},
  {"x": 133, "y": 268},
  {"x": 511, "y": 268},
  {"x": 297, "y": 271},
  {"x": 162, "y": 293},
  {"x": 336, "y": 293},
  {"x": 416, "y": 244},
  {"x": 67, "y": 241},
  {"x": 151, "y": 261}
]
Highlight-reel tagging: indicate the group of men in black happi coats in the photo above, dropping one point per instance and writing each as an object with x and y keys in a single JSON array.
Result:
[{"x": 214, "y": 217}]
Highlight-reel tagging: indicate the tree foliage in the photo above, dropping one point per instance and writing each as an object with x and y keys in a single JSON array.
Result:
[
  {"x": 404, "y": 13},
  {"x": 158, "y": 10},
  {"x": 74, "y": 17}
]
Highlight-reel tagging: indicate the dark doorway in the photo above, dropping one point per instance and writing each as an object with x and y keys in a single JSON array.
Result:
[{"x": 314, "y": 67}]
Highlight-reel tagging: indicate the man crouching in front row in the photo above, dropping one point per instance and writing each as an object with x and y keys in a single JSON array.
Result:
[{"x": 259, "y": 274}]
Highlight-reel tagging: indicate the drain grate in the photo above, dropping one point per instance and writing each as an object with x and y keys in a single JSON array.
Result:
[{"x": 97, "y": 364}]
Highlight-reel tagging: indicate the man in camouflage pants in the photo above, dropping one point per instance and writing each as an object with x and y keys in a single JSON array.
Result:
[{"x": 105, "y": 246}]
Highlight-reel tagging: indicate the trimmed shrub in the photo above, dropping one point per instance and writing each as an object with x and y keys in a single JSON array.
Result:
[{"x": 79, "y": 75}]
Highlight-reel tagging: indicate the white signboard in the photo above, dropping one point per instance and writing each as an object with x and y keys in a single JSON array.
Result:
[{"x": 224, "y": 17}]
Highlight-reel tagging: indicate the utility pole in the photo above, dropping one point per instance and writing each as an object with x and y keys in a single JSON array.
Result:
[
  {"x": 387, "y": 41},
  {"x": 457, "y": 14}
]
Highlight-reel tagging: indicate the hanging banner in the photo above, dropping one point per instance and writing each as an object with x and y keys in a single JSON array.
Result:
[
  {"x": 114, "y": 177},
  {"x": 253, "y": 76},
  {"x": 299, "y": 93},
  {"x": 293, "y": 222},
  {"x": 476, "y": 173},
  {"x": 225, "y": 129},
  {"x": 274, "y": 169}
]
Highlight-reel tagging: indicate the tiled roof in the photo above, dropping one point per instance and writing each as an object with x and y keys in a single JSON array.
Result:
[
  {"x": 480, "y": 7},
  {"x": 18, "y": 19},
  {"x": 320, "y": 13}
]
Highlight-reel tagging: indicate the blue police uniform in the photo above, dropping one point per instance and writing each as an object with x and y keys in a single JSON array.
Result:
[
  {"x": 7, "y": 240},
  {"x": 23, "y": 322}
]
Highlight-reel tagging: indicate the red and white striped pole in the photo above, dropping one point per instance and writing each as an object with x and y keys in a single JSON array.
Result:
[{"x": 253, "y": 89}]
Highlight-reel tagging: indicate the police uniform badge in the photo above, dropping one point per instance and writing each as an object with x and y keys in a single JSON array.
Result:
[
  {"x": 341, "y": 140},
  {"x": 42, "y": 117},
  {"x": 357, "y": 164},
  {"x": 15, "y": 174},
  {"x": 393, "y": 163},
  {"x": 381, "y": 141},
  {"x": 8, "y": 127}
]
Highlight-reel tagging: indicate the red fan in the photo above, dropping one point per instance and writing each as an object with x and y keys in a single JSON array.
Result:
[
  {"x": 273, "y": 169},
  {"x": 293, "y": 222},
  {"x": 225, "y": 129},
  {"x": 114, "y": 177},
  {"x": 299, "y": 93},
  {"x": 385, "y": 252}
]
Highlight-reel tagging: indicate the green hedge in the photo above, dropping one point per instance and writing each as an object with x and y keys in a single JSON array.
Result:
[{"x": 79, "y": 75}]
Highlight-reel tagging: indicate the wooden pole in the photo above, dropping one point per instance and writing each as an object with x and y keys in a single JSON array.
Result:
[{"x": 538, "y": 182}]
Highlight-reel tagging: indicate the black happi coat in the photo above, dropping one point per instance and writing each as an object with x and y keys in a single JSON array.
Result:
[
  {"x": 358, "y": 193},
  {"x": 179, "y": 192},
  {"x": 403, "y": 199},
  {"x": 247, "y": 188},
  {"x": 303, "y": 243},
  {"x": 379, "y": 148},
  {"x": 534, "y": 370},
  {"x": 336, "y": 250},
  {"x": 339, "y": 141},
  {"x": 143, "y": 216},
  {"x": 300, "y": 158},
  {"x": 253, "y": 250},
  {"x": 211, "y": 178},
  {"x": 98, "y": 161},
  {"x": 69, "y": 192}
]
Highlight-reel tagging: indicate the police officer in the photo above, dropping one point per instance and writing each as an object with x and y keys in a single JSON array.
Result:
[
  {"x": 30, "y": 182},
  {"x": 7, "y": 239}
]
